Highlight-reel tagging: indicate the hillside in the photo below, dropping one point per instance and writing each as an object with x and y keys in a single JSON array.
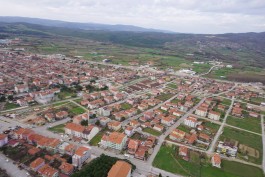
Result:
[{"x": 246, "y": 51}]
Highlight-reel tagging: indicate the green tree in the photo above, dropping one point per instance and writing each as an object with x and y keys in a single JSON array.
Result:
[{"x": 84, "y": 122}]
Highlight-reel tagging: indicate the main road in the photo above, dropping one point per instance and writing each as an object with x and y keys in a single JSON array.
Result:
[{"x": 220, "y": 131}]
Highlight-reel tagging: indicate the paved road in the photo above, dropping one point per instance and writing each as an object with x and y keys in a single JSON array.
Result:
[
  {"x": 220, "y": 131},
  {"x": 263, "y": 142},
  {"x": 227, "y": 125},
  {"x": 10, "y": 168},
  {"x": 209, "y": 70},
  {"x": 164, "y": 135}
]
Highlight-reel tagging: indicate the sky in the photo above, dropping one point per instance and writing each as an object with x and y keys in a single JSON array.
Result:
[{"x": 186, "y": 16}]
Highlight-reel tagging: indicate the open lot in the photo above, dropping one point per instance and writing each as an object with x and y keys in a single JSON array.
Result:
[
  {"x": 245, "y": 138},
  {"x": 10, "y": 106},
  {"x": 247, "y": 123},
  {"x": 96, "y": 139},
  {"x": 164, "y": 96},
  {"x": 167, "y": 160},
  {"x": 152, "y": 131},
  {"x": 57, "y": 128}
]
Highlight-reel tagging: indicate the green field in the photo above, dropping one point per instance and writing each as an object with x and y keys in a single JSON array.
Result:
[
  {"x": 77, "y": 110},
  {"x": 57, "y": 128},
  {"x": 249, "y": 139},
  {"x": 10, "y": 106},
  {"x": 247, "y": 123},
  {"x": 152, "y": 131},
  {"x": 60, "y": 103},
  {"x": 201, "y": 68},
  {"x": 66, "y": 94},
  {"x": 171, "y": 85},
  {"x": 126, "y": 106},
  {"x": 212, "y": 126},
  {"x": 257, "y": 100},
  {"x": 226, "y": 101},
  {"x": 94, "y": 141},
  {"x": 184, "y": 128},
  {"x": 164, "y": 96},
  {"x": 231, "y": 169},
  {"x": 166, "y": 160}
]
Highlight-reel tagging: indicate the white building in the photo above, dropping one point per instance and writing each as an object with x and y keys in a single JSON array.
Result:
[
  {"x": 191, "y": 122},
  {"x": 3, "y": 140},
  {"x": 104, "y": 111},
  {"x": 214, "y": 115},
  {"x": 80, "y": 156},
  {"x": 114, "y": 140}
]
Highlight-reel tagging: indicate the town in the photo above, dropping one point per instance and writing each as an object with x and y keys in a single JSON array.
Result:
[{"x": 60, "y": 114}]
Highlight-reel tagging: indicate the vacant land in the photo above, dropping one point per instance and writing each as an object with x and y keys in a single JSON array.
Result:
[
  {"x": 245, "y": 138},
  {"x": 126, "y": 106},
  {"x": 57, "y": 128},
  {"x": 247, "y": 123},
  {"x": 77, "y": 110},
  {"x": 174, "y": 86},
  {"x": 94, "y": 141},
  {"x": 152, "y": 131},
  {"x": 165, "y": 96},
  {"x": 167, "y": 160},
  {"x": 10, "y": 106},
  {"x": 231, "y": 169}
]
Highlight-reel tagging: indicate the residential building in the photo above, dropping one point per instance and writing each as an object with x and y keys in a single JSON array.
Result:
[
  {"x": 216, "y": 160},
  {"x": 81, "y": 155},
  {"x": 37, "y": 164},
  {"x": 114, "y": 140},
  {"x": 48, "y": 171},
  {"x": 214, "y": 115},
  {"x": 67, "y": 168},
  {"x": 120, "y": 169},
  {"x": 191, "y": 122},
  {"x": 201, "y": 111},
  {"x": 3, "y": 140}
]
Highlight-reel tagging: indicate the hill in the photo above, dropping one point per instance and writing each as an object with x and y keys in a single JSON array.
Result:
[{"x": 75, "y": 25}]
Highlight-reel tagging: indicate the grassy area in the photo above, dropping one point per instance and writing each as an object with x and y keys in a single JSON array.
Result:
[
  {"x": 174, "y": 86},
  {"x": 248, "y": 123},
  {"x": 184, "y": 128},
  {"x": 60, "y": 103},
  {"x": 257, "y": 100},
  {"x": 164, "y": 96},
  {"x": 152, "y": 131},
  {"x": 201, "y": 68},
  {"x": 212, "y": 126},
  {"x": 57, "y": 128},
  {"x": 166, "y": 160},
  {"x": 221, "y": 73},
  {"x": 94, "y": 141},
  {"x": 10, "y": 106},
  {"x": 231, "y": 169},
  {"x": 126, "y": 106},
  {"x": 77, "y": 110},
  {"x": 245, "y": 138},
  {"x": 226, "y": 101},
  {"x": 66, "y": 94}
]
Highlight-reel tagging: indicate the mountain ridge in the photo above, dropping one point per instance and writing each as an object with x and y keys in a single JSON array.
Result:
[{"x": 78, "y": 25}]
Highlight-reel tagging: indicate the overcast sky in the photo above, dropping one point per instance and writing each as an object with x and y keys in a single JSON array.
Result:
[{"x": 188, "y": 16}]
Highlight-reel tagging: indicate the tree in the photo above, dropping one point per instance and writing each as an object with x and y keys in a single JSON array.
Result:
[
  {"x": 2, "y": 98},
  {"x": 160, "y": 175},
  {"x": 84, "y": 122},
  {"x": 97, "y": 123},
  {"x": 10, "y": 97}
]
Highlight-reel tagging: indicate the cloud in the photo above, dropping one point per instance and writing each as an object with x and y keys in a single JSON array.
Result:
[{"x": 191, "y": 16}]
